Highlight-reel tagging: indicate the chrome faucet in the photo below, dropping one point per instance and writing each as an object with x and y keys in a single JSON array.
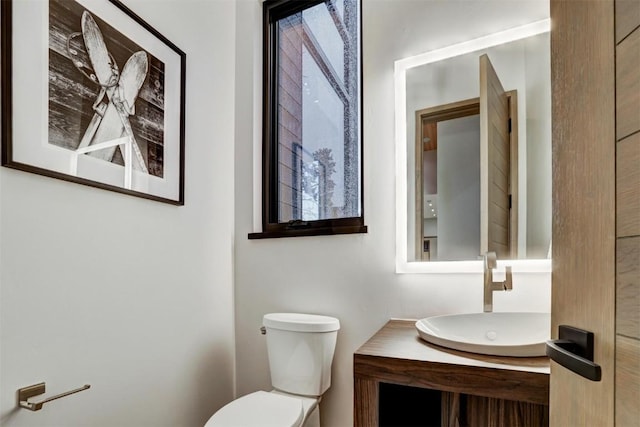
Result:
[{"x": 491, "y": 262}]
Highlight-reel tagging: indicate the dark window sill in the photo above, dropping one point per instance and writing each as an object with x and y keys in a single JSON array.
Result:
[{"x": 318, "y": 231}]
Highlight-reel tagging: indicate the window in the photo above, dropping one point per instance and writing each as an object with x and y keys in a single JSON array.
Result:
[{"x": 312, "y": 153}]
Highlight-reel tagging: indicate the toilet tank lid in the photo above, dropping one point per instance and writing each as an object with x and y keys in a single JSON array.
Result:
[{"x": 299, "y": 322}]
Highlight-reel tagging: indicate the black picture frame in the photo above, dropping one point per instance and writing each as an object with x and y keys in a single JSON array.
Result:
[{"x": 104, "y": 107}]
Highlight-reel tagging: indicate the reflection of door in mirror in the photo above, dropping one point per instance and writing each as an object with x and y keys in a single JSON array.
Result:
[
  {"x": 463, "y": 214},
  {"x": 498, "y": 165}
]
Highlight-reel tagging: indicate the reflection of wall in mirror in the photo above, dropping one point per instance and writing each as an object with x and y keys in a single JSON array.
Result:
[
  {"x": 459, "y": 193},
  {"x": 538, "y": 155}
]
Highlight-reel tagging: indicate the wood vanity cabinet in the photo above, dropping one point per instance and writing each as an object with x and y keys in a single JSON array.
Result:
[{"x": 402, "y": 380}]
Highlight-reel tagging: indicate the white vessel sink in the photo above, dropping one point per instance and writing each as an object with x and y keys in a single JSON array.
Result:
[{"x": 498, "y": 334}]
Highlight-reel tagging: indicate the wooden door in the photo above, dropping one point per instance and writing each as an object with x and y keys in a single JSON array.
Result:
[
  {"x": 583, "y": 225},
  {"x": 494, "y": 162}
]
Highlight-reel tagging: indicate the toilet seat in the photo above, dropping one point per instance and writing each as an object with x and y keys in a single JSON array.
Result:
[{"x": 260, "y": 409}]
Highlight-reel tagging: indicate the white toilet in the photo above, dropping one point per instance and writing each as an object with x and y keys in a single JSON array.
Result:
[{"x": 300, "y": 349}]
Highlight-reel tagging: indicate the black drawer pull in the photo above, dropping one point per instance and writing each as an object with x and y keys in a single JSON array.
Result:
[{"x": 574, "y": 351}]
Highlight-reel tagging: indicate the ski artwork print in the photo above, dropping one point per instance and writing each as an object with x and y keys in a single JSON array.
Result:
[{"x": 106, "y": 94}]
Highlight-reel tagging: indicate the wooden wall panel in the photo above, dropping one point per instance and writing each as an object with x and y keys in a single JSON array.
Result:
[
  {"x": 628, "y": 185},
  {"x": 628, "y": 86},
  {"x": 628, "y": 287},
  {"x": 627, "y": 18},
  {"x": 627, "y": 382}
]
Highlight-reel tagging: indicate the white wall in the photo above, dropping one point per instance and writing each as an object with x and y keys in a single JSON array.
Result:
[
  {"x": 131, "y": 296},
  {"x": 351, "y": 277}
]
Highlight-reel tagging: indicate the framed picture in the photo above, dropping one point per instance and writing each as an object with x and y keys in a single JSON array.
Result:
[{"x": 92, "y": 94}]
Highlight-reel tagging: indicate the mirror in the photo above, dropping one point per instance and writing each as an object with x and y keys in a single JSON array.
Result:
[{"x": 474, "y": 172}]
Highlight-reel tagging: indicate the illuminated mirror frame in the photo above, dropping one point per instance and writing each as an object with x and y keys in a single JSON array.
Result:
[{"x": 400, "y": 81}]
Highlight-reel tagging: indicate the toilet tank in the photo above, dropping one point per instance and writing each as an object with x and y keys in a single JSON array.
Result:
[{"x": 300, "y": 348}]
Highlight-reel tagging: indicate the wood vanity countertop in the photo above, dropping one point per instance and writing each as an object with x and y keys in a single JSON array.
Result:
[{"x": 397, "y": 355}]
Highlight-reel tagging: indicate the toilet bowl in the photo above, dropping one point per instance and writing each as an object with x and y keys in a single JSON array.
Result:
[{"x": 300, "y": 349}]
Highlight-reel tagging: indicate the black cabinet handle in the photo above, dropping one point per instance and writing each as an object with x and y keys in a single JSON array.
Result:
[{"x": 574, "y": 351}]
